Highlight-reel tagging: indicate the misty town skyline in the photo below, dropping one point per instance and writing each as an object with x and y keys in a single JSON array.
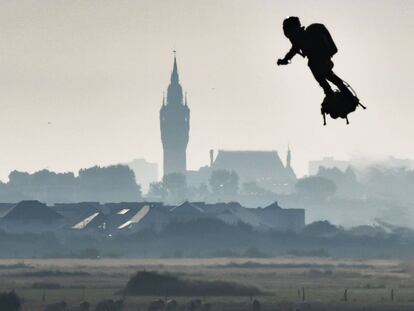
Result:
[
  {"x": 174, "y": 121},
  {"x": 81, "y": 84},
  {"x": 175, "y": 128}
]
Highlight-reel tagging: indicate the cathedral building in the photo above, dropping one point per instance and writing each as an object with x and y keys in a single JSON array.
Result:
[
  {"x": 263, "y": 167},
  {"x": 175, "y": 126}
]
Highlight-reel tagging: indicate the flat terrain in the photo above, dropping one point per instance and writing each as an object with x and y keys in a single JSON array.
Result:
[{"x": 369, "y": 282}]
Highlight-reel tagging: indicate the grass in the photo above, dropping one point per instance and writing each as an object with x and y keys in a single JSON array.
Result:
[
  {"x": 17, "y": 265},
  {"x": 368, "y": 281},
  {"x": 310, "y": 265},
  {"x": 49, "y": 273}
]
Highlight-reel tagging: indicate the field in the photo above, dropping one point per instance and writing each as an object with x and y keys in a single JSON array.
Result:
[{"x": 369, "y": 283}]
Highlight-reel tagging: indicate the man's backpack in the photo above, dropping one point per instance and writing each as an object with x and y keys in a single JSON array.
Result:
[{"x": 321, "y": 44}]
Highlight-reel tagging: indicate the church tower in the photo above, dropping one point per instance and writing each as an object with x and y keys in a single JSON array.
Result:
[{"x": 175, "y": 126}]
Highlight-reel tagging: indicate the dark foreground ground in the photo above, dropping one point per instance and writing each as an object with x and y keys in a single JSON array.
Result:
[{"x": 369, "y": 283}]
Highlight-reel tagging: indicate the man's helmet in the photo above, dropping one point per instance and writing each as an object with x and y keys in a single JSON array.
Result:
[{"x": 291, "y": 24}]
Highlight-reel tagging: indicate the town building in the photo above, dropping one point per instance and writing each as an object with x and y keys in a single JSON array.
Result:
[{"x": 265, "y": 168}]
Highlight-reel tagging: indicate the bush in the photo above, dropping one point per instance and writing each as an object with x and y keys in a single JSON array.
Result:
[
  {"x": 9, "y": 301},
  {"x": 322, "y": 228},
  {"x": 145, "y": 283},
  {"x": 315, "y": 187}
]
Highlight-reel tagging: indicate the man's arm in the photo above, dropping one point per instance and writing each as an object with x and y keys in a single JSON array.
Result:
[{"x": 289, "y": 55}]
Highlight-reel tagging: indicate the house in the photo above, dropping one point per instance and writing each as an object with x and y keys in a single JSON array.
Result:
[
  {"x": 273, "y": 217},
  {"x": 31, "y": 216}
]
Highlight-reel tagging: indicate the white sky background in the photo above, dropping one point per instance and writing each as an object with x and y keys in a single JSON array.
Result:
[{"x": 97, "y": 71}]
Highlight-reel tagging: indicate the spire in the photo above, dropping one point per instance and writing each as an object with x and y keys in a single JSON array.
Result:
[
  {"x": 174, "y": 74},
  {"x": 185, "y": 100},
  {"x": 288, "y": 157},
  {"x": 174, "y": 91},
  {"x": 163, "y": 98}
]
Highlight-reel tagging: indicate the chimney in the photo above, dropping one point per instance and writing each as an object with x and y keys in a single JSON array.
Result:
[{"x": 211, "y": 157}]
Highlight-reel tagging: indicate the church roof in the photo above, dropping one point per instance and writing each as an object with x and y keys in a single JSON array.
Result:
[
  {"x": 251, "y": 164},
  {"x": 290, "y": 173}
]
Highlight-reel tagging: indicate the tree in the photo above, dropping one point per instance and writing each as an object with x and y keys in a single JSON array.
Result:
[
  {"x": 9, "y": 301},
  {"x": 157, "y": 190},
  {"x": 224, "y": 182},
  {"x": 252, "y": 188},
  {"x": 203, "y": 191},
  {"x": 315, "y": 187},
  {"x": 346, "y": 182},
  {"x": 115, "y": 183},
  {"x": 321, "y": 228}
]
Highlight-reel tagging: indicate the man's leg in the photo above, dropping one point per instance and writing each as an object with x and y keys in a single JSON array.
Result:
[
  {"x": 343, "y": 88},
  {"x": 320, "y": 77},
  {"x": 320, "y": 71},
  {"x": 338, "y": 82}
]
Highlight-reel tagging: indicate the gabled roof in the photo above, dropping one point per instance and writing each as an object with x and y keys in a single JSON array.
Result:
[
  {"x": 32, "y": 210},
  {"x": 230, "y": 213},
  {"x": 274, "y": 205},
  {"x": 96, "y": 220},
  {"x": 212, "y": 208},
  {"x": 76, "y": 210},
  {"x": 5, "y": 208},
  {"x": 84, "y": 223},
  {"x": 244, "y": 214},
  {"x": 187, "y": 207},
  {"x": 140, "y": 215},
  {"x": 259, "y": 164},
  {"x": 290, "y": 173}
]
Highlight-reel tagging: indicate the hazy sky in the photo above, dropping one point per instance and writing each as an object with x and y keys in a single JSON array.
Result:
[{"x": 96, "y": 70}]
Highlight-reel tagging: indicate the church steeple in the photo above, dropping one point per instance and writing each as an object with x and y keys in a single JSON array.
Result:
[
  {"x": 174, "y": 74},
  {"x": 175, "y": 91},
  {"x": 288, "y": 157}
]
